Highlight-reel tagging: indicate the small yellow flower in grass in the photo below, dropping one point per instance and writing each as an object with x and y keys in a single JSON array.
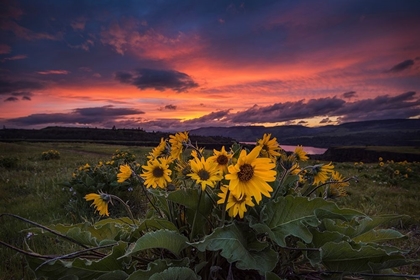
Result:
[
  {"x": 321, "y": 173},
  {"x": 177, "y": 142},
  {"x": 125, "y": 173},
  {"x": 234, "y": 205},
  {"x": 381, "y": 164},
  {"x": 222, "y": 158},
  {"x": 249, "y": 176},
  {"x": 158, "y": 151},
  {"x": 270, "y": 147},
  {"x": 100, "y": 201},
  {"x": 300, "y": 154},
  {"x": 397, "y": 172},
  {"x": 205, "y": 172},
  {"x": 338, "y": 187},
  {"x": 157, "y": 173},
  {"x": 381, "y": 159}
]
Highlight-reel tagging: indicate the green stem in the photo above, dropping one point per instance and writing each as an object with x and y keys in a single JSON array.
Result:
[
  {"x": 195, "y": 216},
  {"x": 130, "y": 214},
  {"x": 224, "y": 207},
  {"x": 283, "y": 176}
]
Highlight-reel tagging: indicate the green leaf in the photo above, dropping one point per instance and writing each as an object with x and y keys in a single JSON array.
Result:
[
  {"x": 83, "y": 269},
  {"x": 189, "y": 198},
  {"x": 271, "y": 276},
  {"x": 156, "y": 224},
  {"x": 156, "y": 267},
  {"x": 175, "y": 273},
  {"x": 291, "y": 216},
  {"x": 360, "y": 226},
  {"x": 233, "y": 244},
  {"x": 342, "y": 256},
  {"x": 380, "y": 235},
  {"x": 165, "y": 239}
]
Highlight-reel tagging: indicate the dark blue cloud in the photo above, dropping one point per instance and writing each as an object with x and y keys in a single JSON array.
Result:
[{"x": 157, "y": 79}]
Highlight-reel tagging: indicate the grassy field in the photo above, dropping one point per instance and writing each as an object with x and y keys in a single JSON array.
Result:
[{"x": 32, "y": 188}]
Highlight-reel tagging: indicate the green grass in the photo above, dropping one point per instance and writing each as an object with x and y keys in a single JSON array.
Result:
[{"x": 31, "y": 187}]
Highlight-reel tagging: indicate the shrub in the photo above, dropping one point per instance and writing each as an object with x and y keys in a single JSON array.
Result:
[
  {"x": 50, "y": 154},
  {"x": 237, "y": 214}
]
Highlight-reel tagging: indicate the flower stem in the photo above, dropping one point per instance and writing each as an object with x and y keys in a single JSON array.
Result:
[
  {"x": 195, "y": 216},
  {"x": 130, "y": 214}
]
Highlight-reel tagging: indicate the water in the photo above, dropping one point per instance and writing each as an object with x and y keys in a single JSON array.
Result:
[{"x": 288, "y": 148}]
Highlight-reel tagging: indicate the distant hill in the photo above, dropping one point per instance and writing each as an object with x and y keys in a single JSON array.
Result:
[
  {"x": 106, "y": 136},
  {"x": 397, "y": 132}
]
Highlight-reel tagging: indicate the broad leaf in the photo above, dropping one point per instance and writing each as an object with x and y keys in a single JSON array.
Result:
[
  {"x": 342, "y": 256},
  {"x": 175, "y": 273},
  {"x": 84, "y": 269},
  {"x": 165, "y": 239},
  {"x": 381, "y": 235},
  {"x": 157, "y": 266},
  {"x": 291, "y": 215},
  {"x": 233, "y": 245}
]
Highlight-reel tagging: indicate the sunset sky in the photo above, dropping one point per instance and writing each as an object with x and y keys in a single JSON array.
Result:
[{"x": 171, "y": 65}]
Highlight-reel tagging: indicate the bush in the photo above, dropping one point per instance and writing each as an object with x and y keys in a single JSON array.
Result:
[{"x": 50, "y": 154}]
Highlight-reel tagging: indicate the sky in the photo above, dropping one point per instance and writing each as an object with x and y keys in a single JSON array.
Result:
[{"x": 176, "y": 65}]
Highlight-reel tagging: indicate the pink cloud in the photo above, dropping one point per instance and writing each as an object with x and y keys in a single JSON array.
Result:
[{"x": 53, "y": 72}]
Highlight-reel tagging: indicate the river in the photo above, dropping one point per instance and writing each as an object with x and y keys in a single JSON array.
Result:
[{"x": 289, "y": 148}]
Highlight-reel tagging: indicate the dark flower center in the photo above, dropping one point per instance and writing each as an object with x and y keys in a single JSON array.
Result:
[
  {"x": 203, "y": 174},
  {"x": 246, "y": 172},
  {"x": 222, "y": 159},
  {"x": 157, "y": 172}
]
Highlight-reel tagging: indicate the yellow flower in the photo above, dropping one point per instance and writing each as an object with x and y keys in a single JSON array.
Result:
[
  {"x": 397, "y": 172},
  {"x": 270, "y": 147},
  {"x": 234, "y": 205},
  {"x": 381, "y": 159},
  {"x": 156, "y": 173},
  {"x": 321, "y": 173},
  {"x": 125, "y": 173},
  {"x": 222, "y": 158},
  {"x": 177, "y": 142},
  {"x": 158, "y": 151},
  {"x": 100, "y": 201},
  {"x": 300, "y": 154},
  {"x": 205, "y": 172},
  {"x": 381, "y": 164},
  {"x": 197, "y": 154},
  {"x": 249, "y": 176},
  {"x": 337, "y": 187}
]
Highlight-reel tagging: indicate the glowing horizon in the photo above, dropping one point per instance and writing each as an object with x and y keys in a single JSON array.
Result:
[{"x": 180, "y": 66}]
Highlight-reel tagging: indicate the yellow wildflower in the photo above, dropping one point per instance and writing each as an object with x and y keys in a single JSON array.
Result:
[{"x": 100, "y": 201}]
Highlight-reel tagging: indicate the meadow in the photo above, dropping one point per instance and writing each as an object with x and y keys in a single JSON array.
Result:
[{"x": 34, "y": 188}]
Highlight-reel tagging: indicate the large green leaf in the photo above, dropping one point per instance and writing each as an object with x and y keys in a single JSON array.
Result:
[
  {"x": 291, "y": 216},
  {"x": 157, "y": 266},
  {"x": 156, "y": 224},
  {"x": 83, "y": 269},
  {"x": 189, "y": 198},
  {"x": 342, "y": 256},
  {"x": 175, "y": 273},
  {"x": 380, "y": 235},
  {"x": 359, "y": 227},
  {"x": 234, "y": 246},
  {"x": 165, "y": 239}
]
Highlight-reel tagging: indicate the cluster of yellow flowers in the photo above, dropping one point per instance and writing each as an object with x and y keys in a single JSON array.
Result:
[{"x": 240, "y": 178}]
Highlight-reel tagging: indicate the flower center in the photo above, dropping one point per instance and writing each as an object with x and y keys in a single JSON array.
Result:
[
  {"x": 203, "y": 174},
  {"x": 222, "y": 160},
  {"x": 246, "y": 172},
  {"x": 157, "y": 172}
]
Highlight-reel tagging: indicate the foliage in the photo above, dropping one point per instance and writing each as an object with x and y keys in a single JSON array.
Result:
[
  {"x": 8, "y": 162},
  {"x": 50, "y": 154},
  {"x": 291, "y": 229},
  {"x": 101, "y": 177}
]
